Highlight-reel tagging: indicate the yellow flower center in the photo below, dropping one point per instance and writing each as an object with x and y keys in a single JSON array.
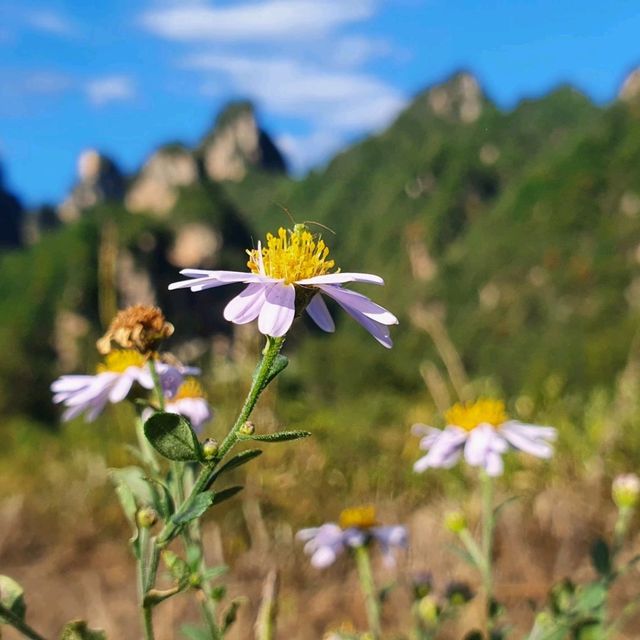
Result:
[
  {"x": 360, "y": 517},
  {"x": 292, "y": 255},
  {"x": 120, "y": 360},
  {"x": 469, "y": 416},
  {"x": 190, "y": 388}
]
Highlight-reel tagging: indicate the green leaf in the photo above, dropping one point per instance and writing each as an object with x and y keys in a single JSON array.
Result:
[
  {"x": 591, "y": 598},
  {"x": 225, "y": 494},
  {"x": 214, "y": 572},
  {"x": 195, "y": 633},
  {"x": 601, "y": 557},
  {"x": 237, "y": 461},
  {"x": 178, "y": 568},
  {"x": 279, "y": 364},
  {"x": 230, "y": 615},
  {"x": 280, "y": 436},
  {"x": 135, "y": 479},
  {"x": 197, "y": 507},
  {"x": 163, "y": 501},
  {"x": 78, "y": 630},
  {"x": 172, "y": 436},
  {"x": 12, "y": 597}
]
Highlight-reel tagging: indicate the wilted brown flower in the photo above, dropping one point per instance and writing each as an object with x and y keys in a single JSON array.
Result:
[{"x": 139, "y": 327}]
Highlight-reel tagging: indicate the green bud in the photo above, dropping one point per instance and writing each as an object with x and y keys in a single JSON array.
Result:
[
  {"x": 146, "y": 517},
  {"x": 248, "y": 428},
  {"x": 455, "y": 521},
  {"x": 209, "y": 448},
  {"x": 195, "y": 581},
  {"x": 625, "y": 490},
  {"x": 428, "y": 610},
  {"x": 458, "y": 593}
]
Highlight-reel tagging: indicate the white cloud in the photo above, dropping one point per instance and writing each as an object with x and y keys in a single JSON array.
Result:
[
  {"x": 51, "y": 22},
  {"x": 116, "y": 88},
  {"x": 263, "y": 20},
  {"x": 343, "y": 99},
  {"x": 304, "y": 151}
]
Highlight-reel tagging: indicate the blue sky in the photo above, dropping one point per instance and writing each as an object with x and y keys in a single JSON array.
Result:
[{"x": 125, "y": 76}]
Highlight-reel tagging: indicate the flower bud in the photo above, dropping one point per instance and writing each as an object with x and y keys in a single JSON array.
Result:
[
  {"x": 455, "y": 521},
  {"x": 146, "y": 517},
  {"x": 428, "y": 610},
  {"x": 209, "y": 448},
  {"x": 248, "y": 428},
  {"x": 458, "y": 593},
  {"x": 625, "y": 490},
  {"x": 422, "y": 584}
]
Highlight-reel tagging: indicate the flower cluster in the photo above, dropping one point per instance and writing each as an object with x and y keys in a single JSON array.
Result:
[
  {"x": 358, "y": 527},
  {"x": 483, "y": 432}
]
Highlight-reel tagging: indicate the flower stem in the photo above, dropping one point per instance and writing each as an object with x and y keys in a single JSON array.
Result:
[
  {"x": 488, "y": 525},
  {"x": 150, "y": 559},
  {"x": 368, "y": 590},
  {"x": 17, "y": 623},
  {"x": 271, "y": 350}
]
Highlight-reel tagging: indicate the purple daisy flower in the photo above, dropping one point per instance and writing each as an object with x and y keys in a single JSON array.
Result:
[
  {"x": 293, "y": 266},
  {"x": 482, "y": 432},
  {"x": 89, "y": 394},
  {"x": 357, "y": 528}
]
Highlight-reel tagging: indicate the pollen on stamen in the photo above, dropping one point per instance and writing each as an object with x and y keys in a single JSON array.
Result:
[
  {"x": 291, "y": 256},
  {"x": 468, "y": 416},
  {"x": 190, "y": 388},
  {"x": 119, "y": 360}
]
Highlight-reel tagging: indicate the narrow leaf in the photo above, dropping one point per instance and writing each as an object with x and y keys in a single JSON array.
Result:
[
  {"x": 199, "y": 505},
  {"x": 225, "y": 494},
  {"x": 192, "y": 632},
  {"x": 279, "y": 365},
  {"x": 601, "y": 557},
  {"x": 281, "y": 436},
  {"x": 78, "y": 630},
  {"x": 172, "y": 436},
  {"x": 12, "y": 597},
  {"x": 237, "y": 461}
]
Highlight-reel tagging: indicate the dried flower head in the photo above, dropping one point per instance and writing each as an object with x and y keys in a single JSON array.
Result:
[{"x": 139, "y": 327}]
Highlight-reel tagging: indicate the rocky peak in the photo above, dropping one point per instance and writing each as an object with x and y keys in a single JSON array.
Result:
[
  {"x": 155, "y": 190},
  {"x": 237, "y": 144},
  {"x": 630, "y": 90},
  {"x": 11, "y": 216},
  {"x": 99, "y": 180},
  {"x": 459, "y": 99}
]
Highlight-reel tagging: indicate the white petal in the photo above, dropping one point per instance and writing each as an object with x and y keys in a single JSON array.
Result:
[
  {"x": 527, "y": 438},
  {"x": 445, "y": 450},
  {"x": 319, "y": 313},
  {"x": 482, "y": 441},
  {"x": 493, "y": 464},
  {"x": 121, "y": 388},
  {"x": 323, "y": 557},
  {"x": 278, "y": 310},
  {"x": 357, "y": 302},
  {"x": 70, "y": 383},
  {"x": 341, "y": 278},
  {"x": 246, "y": 306}
]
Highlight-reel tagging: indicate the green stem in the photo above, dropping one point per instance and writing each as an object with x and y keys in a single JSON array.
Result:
[
  {"x": 170, "y": 529},
  {"x": 488, "y": 524},
  {"x": 147, "y": 567},
  {"x": 368, "y": 590},
  {"x": 17, "y": 623},
  {"x": 621, "y": 528},
  {"x": 272, "y": 348},
  {"x": 157, "y": 385}
]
